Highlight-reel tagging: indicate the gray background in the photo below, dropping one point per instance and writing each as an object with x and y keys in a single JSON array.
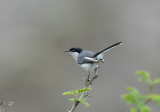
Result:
[{"x": 34, "y": 70}]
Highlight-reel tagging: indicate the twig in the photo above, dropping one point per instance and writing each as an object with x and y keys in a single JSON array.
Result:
[
  {"x": 87, "y": 83},
  {"x": 5, "y": 104},
  {"x": 150, "y": 92}
]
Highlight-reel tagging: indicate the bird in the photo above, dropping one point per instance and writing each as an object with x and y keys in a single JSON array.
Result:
[{"x": 89, "y": 60}]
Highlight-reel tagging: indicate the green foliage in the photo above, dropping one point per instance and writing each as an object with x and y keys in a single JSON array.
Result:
[
  {"x": 84, "y": 102},
  {"x": 83, "y": 90},
  {"x": 145, "y": 76},
  {"x": 75, "y": 93},
  {"x": 72, "y": 92},
  {"x": 72, "y": 99},
  {"x": 141, "y": 109},
  {"x": 140, "y": 100},
  {"x": 155, "y": 97},
  {"x": 133, "y": 109},
  {"x": 156, "y": 81},
  {"x": 134, "y": 97},
  {"x": 145, "y": 108}
]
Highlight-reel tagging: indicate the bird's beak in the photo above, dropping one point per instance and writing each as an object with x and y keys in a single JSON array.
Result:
[{"x": 66, "y": 51}]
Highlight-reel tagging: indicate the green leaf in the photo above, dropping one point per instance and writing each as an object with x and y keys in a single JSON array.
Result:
[
  {"x": 134, "y": 97},
  {"x": 132, "y": 89},
  {"x": 84, "y": 102},
  {"x": 156, "y": 81},
  {"x": 155, "y": 97},
  {"x": 143, "y": 73},
  {"x": 76, "y": 92},
  {"x": 83, "y": 90},
  {"x": 72, "y": 92},
  {"x": 133, "y": 109},
  {"x": 140, "y": 104},
  {"x": 145, "y": 76},
  {"x": 129, "y": 99},
  {"x": 72, "y": 99},
  {"x": 145, "y": 109}
]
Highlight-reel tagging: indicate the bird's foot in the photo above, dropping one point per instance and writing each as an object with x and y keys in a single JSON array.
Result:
[{"x": 101, "y": 60}]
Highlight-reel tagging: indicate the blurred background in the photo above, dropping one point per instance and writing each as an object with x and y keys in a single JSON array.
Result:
[{"x": 34, "y": 70}]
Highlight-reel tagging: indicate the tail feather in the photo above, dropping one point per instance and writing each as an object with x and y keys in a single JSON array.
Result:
[{"x": 108, "y": 48}]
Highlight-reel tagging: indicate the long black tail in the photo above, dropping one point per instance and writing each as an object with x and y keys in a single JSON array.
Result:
[{"x": 108, "y": 48}]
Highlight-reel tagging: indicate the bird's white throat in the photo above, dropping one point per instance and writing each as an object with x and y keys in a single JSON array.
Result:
[{"x": 74, "y": 55}]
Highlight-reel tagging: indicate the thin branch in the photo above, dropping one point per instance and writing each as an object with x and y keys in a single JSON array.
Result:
[
  {"x": 5, "y": 104},
  {"x": 74, "y": 106},
  {"x": 87, "y": 84},
  {"x": 150, "y": 92}
]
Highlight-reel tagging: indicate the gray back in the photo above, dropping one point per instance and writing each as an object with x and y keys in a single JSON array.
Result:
[{"x": 81, "y": 58}]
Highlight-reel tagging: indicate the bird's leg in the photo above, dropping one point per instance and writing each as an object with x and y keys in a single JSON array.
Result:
[
  {"x": 95, "y": 71},
  {"x": 88, "y": 76}
]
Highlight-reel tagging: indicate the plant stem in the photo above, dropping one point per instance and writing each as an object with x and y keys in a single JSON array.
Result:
[
  {"x": 147, "y": 100},
  {"x": 74, "y": 106},
  {"x": 87, "y": 83},
  {"x": 150, "y": 92}
]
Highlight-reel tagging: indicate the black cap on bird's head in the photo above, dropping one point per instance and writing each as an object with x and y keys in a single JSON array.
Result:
[{"x": 76, "y": 49}]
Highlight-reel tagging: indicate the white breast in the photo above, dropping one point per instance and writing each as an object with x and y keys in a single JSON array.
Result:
[{"x": 89, "y": 67}]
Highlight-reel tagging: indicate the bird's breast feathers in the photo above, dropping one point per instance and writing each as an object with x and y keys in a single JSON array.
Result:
[{"x": 88, "y": 66}]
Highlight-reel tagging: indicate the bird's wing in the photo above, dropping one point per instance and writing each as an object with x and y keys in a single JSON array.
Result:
[
  {"x": 100, "y": 54},
  {"x": 87, "y": 60},
  {"x": 86, "y": 57},
  {"x": 91, "y": 60}
]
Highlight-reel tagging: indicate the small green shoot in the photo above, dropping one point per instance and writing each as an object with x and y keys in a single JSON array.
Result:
[
  {"x": 140, "y": 100},
  {"x": 75, "y": 93}
]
